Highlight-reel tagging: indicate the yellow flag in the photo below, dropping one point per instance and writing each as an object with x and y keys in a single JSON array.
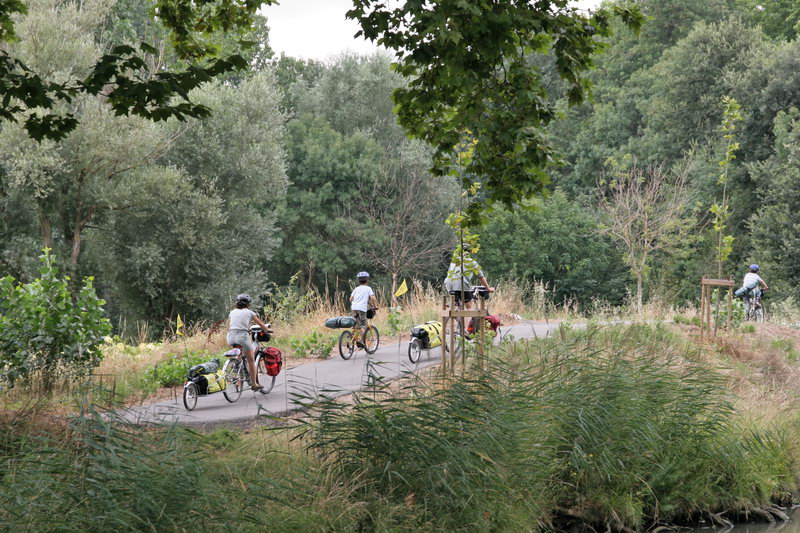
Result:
[
  {"x": 179, "y": 326},
  {"x": 402, "y": 289}
]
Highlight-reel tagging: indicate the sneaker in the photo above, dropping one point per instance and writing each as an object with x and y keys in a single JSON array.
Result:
[
  {"x": 360, "y": 344},
  {"x": 257, "y": 387}
]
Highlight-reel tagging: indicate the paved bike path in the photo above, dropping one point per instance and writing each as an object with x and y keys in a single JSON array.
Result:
[{"x": 301, "y": 384}]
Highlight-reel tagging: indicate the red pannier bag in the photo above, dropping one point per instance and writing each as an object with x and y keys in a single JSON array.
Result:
[{"x": 274, "y": 361}]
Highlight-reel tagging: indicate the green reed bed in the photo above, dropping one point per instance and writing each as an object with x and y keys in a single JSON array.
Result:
[
  {"x": 616, "y": 428},
  {"x": 620, "y": 428}
]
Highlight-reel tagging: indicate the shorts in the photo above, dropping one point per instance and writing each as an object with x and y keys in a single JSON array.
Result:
[
  {"x": 361, "y": 318},
  {"x": 468, "y": 295},
  {"x": 242, "y": 338}
]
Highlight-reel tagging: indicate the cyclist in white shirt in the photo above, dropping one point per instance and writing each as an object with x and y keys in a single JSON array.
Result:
[
  {"x": 362, "y": 300},
  {"x": 239, "y": 334},
  {"x": 751, "y": 282}
]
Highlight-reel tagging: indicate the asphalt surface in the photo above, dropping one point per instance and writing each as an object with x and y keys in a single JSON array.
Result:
[{"x": 302, "y": 384}]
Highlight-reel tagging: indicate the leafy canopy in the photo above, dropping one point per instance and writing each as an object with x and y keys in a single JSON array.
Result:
[
  {"x": 470, "y": 77},
  {"x": 121, "y": 75}
]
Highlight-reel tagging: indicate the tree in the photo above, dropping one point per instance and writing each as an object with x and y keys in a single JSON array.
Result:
[
  {"x": 774, "y": 225},
  {"x": 558, "y": 242},
  {"x": 468, "y": 75},
  {"x": 47, "y": 332},
  {"x": 324, "y": 168},
  {"x": 121, "y": 76},
  {"x": 644, "y": 209},
  {"x": 399, "y": 224}
]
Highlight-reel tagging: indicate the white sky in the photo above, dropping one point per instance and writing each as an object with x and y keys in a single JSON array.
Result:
[{"x": 318, "y": 29}]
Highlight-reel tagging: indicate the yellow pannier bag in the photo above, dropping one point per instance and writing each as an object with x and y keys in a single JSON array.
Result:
[
  {"x": 430, "y": 333},
  {"x": 216, "y": 381}
]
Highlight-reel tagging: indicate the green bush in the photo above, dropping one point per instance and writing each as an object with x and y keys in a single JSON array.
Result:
[
  {"x": 315, "y": 344},
  {"x": 46, "y": 330},
  {"x": 172, "y": 372}
]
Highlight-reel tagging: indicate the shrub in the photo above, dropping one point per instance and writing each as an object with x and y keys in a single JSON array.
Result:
[
  {"x": 172, "y": 372},
  {"x": 46, "y": 330},
  {"x": 315, "y": 344}
]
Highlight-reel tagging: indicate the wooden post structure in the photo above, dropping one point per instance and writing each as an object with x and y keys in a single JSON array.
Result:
[
  {"x": 449, "y": 316},
  {"x": 706, "y": 294}
]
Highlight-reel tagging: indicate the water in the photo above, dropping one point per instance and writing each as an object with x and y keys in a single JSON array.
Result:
[{"x": 793, "y": 526}]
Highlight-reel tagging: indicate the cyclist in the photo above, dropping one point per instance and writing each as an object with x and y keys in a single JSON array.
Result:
[
  {"x": 751, "y": 282},
  {"x": 239, "y": 334},
  {"x": 459, "y": 277},
  {"x": 362, "y": 299}
]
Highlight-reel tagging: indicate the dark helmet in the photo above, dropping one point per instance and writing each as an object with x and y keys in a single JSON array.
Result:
[
  {"x": 754, "y": 267},
  {"x": 244, "y": 298},
  {"x": 362, "y": 275}
]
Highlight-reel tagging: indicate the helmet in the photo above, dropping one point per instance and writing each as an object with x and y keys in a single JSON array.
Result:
[
  {"x": 754, "y": 267},
  {"x": 244, "y": 298},
  {"x": 362, "y": 274}
]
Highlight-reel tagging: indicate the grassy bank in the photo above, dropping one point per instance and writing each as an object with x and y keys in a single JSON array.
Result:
[{"x": 621, "y": 428}]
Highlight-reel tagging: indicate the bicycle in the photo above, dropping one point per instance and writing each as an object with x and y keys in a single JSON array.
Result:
[
  {"x": 753, "y": 308},
  {"x": 235, "y": 368},
  {"x": 348, "y": 340}
]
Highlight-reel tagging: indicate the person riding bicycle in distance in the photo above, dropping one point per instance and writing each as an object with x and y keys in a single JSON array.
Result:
[
  {"x": 239, "y": 334},
  {"x": 460, "y": 275},
  {"x": 362, "y": 299},
  {"x": 751, "y": 282}
]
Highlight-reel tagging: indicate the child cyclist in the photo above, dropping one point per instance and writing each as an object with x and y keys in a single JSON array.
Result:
[
  {"x": 239, "y": 334},
  {"x": 362, "y": 299}
]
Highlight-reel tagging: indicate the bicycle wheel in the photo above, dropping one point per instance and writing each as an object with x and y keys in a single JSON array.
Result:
[
  {"x": 758, "y": 315},
  {"x": 372, "y": 339},
  {"x": 233, "y": 380},
  {"x": 414, "y": 350},
  {"x": 454, "y": 329},
  {"x": 190, "y": 396},
  {"x": 264, "y": 379},
  {"x": 346, "y": 345}
]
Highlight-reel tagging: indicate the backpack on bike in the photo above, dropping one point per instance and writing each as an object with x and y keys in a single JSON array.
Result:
[
  {"x": 340, "y": 322},
  {"x": 274, "y": 361}
]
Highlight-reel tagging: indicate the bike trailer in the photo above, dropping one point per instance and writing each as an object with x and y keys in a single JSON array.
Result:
[
  {"x": 340, "y": 322},
  {"x": 207, "y": 382},
  {"x": 430, "y": 333},
  {"x": 274, "y": 361}
]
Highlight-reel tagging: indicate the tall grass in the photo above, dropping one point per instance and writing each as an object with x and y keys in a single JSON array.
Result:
[{"x": 616, "y": 430}]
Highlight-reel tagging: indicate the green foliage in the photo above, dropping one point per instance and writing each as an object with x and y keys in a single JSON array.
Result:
[
  {"x": 48, "y": 331},
  {"x": 788, "y": 347},
  {"x": 121, "y": 75},
  {"x": 721, "y": 314},
  {"x": 172, "y": 372},
  {"x": 747, "y": 328},
  {"x": 106, "y": 474},
  {"x": 468, "y": 72},
  {"x": 555, "y": 241},
  {"x": 315, "y": 344},
  {"x": 722, "y": 213},
  {"x": 776, "y": 243},
  {"x": 394, "y": 320},
  {"x": 505, "y": 449}
]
